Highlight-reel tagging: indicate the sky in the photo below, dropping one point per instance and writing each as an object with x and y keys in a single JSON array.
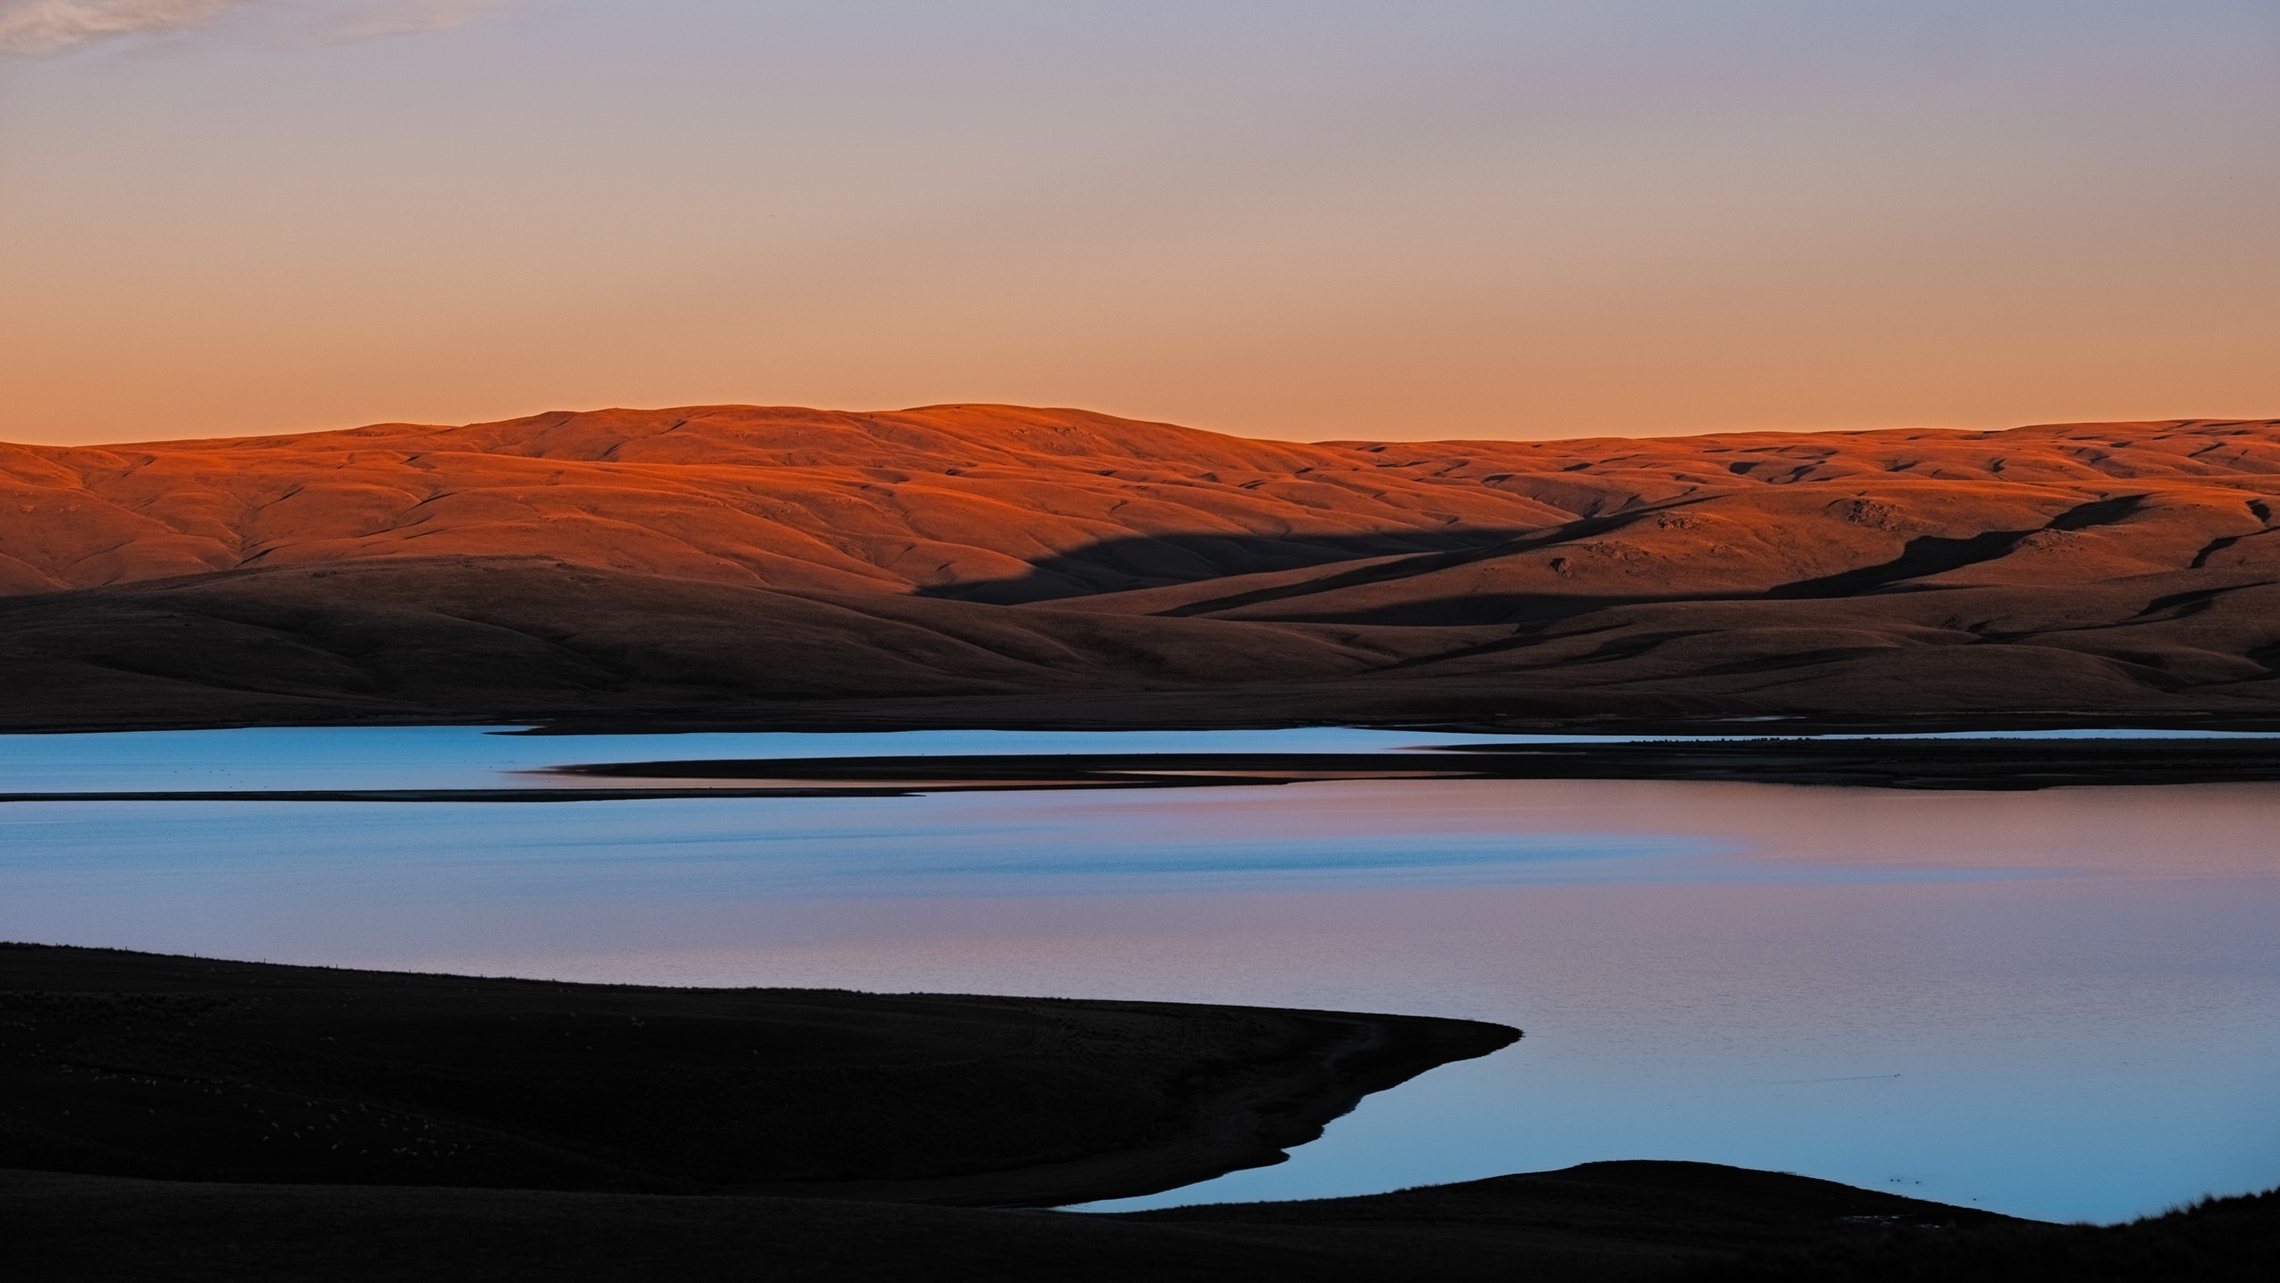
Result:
[{"x": 1309, "y": 219}]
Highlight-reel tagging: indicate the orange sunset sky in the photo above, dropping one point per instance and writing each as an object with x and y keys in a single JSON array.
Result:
[{"x": 1297, "y": 218}]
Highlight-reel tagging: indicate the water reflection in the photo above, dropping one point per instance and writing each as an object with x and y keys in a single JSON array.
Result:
[
  {"x": 424, "y": 757},
  {"x": 434, "y": 757},
  {"x": 2062, "y": 1004}
]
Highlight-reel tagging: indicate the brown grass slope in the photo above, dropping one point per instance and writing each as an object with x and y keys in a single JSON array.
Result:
[{"x": 965, "y": 563}]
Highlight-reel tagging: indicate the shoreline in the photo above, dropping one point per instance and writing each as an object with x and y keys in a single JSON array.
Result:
[
  {"x": 1990, "y": 764},
  {"x": 1024, "y": 714}
]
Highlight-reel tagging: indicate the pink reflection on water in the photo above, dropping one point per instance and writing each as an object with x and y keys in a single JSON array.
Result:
[{"x": 2061, "y": 1003}]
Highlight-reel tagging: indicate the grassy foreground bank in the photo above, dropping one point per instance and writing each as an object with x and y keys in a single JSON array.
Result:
[{"x": 191, "y": 1119}]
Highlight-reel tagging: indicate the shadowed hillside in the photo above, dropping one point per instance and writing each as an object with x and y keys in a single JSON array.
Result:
[{"x": 983, "y": 563}]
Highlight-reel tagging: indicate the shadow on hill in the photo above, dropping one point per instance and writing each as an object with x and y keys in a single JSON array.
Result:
[
  {"x": 1122, "y": 565},
  {"x": 1163, "y": 561},
  {"x": 1932, "y": 555}
]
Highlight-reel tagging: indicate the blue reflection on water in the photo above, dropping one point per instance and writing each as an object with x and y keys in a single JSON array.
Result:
[
  {"x": 409, "y": 757},
  {"x": 1062, "y": 843}
]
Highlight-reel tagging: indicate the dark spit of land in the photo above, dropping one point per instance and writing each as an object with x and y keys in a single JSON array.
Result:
[
  {"x": 1994, "y": 763},
  {"x": 128, "y": 1064}
]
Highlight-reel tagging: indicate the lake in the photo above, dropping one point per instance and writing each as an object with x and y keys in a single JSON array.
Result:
[{"x": 2062, "y": 1004}]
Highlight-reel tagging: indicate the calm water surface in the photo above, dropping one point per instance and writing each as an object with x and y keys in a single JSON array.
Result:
[{"x": 2062, "y": 1004}]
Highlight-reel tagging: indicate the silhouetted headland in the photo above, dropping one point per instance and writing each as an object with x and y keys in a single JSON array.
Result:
[{"x": 186, "y": 1068}]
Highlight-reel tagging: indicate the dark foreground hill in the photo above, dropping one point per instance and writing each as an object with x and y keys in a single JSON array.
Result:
[
  {"x": 1603, "y": 1221},
  {"x": 972, "y": 564},
  {"x": 1630, "y": 1222}
]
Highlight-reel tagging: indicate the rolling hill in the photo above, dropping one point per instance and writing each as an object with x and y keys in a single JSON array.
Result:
[{"x": 1000, "y": 565}]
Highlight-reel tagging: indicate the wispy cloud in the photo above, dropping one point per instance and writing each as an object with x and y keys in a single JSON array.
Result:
[
  {"x": 45, "y": 26},
  {"x": 33, "y": 27}
]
